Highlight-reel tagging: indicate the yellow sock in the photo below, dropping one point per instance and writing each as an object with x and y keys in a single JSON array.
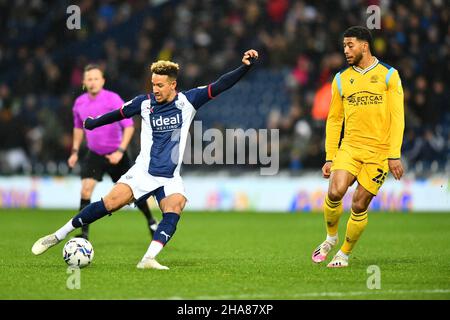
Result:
[
  {"x": 355, "y": 227},
  {"x": 332, "y": 212}
]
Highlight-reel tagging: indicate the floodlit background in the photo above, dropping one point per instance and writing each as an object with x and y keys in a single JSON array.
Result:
[{"x": 41, "y": 63}]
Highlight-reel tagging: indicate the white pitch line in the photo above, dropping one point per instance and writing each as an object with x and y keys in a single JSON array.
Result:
[{"x": 307, "y": 294}]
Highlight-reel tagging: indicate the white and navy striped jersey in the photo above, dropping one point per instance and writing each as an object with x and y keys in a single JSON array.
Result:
[{"x": 165, "y": 128}]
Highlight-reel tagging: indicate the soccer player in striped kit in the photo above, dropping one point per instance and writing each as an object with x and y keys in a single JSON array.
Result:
[
  {"x": 106, "y": 145},
  {"x": 166, "y": 117}
]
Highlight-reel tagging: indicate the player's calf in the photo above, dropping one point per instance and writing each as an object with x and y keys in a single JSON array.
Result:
[
  {"x": 89, "y": 214},
  {"x": 166, "y": 228},
  {"x": 165, "y": 231}
]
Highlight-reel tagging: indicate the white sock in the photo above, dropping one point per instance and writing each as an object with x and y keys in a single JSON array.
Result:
[
  {"x": 153, "y": 249},
  {"x": 343, "y": 255},
  {"x": 332, "y": 239},
  {"x": 65, "y": 230}
]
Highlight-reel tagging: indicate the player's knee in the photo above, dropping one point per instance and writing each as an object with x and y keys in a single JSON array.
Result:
[
  {"x": 335, "y": 193},
  {"x": 86, "y": 193},
  {"x": 112, "y": 203},
  {"x": 359, "y": 205},
  {"x": 108, "y": 203},
  {"x": 175, "y": 206}
]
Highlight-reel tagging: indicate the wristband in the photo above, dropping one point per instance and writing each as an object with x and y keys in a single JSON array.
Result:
[
  {"x": 74, "y": 150},
  {"x": 121, "y": 150}
]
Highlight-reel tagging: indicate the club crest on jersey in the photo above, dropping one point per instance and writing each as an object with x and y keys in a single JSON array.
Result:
[
  {"x": 351, "y": 81},
  {"x": 161, "y": 123}
]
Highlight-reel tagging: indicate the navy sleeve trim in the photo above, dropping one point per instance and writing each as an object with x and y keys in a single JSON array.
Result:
[{"x": 228, "y": 80}]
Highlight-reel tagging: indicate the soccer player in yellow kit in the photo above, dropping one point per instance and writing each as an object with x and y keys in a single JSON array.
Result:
[{"x": 367, "y": 103}]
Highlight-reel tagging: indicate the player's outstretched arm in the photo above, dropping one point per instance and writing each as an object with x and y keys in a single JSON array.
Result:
[
  {"x": 395, "y": 99},
  {"x": 333, "y": 128},
  {"x": 110, "y": 117},
  {"x": 229, "y": 79}
]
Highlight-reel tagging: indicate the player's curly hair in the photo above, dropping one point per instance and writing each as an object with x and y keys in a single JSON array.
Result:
[
  {"x": 165, "y": 68},
  {"x": 360, "y": 33}
]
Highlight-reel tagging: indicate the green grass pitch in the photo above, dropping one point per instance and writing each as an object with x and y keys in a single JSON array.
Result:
[{"x": 229, "y": 255}]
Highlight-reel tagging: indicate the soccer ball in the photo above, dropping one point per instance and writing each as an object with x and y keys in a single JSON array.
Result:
[{"x": 78, "y": 252}]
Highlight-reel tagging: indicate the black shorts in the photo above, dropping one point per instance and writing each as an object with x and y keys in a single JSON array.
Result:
[{"x": 94, "y": 166}]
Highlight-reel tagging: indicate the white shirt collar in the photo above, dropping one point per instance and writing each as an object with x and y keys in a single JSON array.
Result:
[{"x": 363, "y": 71}]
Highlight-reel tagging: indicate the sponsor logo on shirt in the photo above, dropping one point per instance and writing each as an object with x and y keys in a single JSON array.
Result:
[
  {"x": 364, "y": 98},
  {"x": 160, "y": 123}
]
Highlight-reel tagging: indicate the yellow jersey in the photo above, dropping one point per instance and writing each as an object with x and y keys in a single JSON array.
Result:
[{"x": 370, "y": 104}]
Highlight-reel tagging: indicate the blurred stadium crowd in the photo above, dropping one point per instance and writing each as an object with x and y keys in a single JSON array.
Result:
[{"x": 41, "y": 63}]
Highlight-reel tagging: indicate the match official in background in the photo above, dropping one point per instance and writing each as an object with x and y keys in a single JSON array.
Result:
[{"x": 106, "y": 145}]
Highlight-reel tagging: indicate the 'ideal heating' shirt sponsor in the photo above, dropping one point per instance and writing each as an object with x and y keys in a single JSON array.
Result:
[
  {"x": 168, "y": 123},
  {"x": 165, "y": 129}
]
